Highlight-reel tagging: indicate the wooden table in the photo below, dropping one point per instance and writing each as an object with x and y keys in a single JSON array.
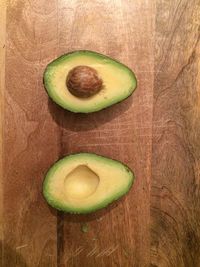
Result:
[{"x": 156, "y": 132}]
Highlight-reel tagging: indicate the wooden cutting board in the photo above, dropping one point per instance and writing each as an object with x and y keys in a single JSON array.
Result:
[{"x": 156, "y": 132}]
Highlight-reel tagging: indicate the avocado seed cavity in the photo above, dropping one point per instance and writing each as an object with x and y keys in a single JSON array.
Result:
[
  {"x": 83, "y": 81},
  {"x": 81, "y": 182}
]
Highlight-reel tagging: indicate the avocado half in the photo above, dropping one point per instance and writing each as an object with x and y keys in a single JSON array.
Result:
[
  {"x": 85, "y": 182},
  {"x": 119, "y": 81}
]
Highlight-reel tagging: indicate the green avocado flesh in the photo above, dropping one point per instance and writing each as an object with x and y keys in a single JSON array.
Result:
[
  {"x": 85, "y": 182},
  {"x": 119, "y": 81}
]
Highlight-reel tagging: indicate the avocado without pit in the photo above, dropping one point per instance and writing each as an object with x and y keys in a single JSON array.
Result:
[
  {"x": 86, "y": 81},
  {"x": 86, "y": 182}
]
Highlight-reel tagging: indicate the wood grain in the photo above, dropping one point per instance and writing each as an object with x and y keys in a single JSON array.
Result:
[
  {"x": 2, "y": 86},
  {"x": 155, "y": 132},
  {"x": 29, "y": 133},
  {"x": 175, "y": 187}
]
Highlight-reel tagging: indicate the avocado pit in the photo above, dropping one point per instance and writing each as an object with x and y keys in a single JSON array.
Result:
[
  {"x": 81, "y": 182},
  {"x": 83, "y": 81}
]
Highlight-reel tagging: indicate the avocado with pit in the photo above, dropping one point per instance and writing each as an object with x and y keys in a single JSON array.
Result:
[
  {"x": 86, "y": 182},
  {"x": 85, "y": 81}
]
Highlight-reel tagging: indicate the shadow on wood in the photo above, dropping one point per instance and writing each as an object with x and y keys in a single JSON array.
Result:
[
  {"x": 80, "y": 218},
  {"x": 84, "y": 217},
  {"x": 84, "y": 122}
]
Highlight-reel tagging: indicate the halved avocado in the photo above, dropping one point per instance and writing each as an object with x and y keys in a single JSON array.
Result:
[
  {"x": 118, "y": 81},
  {"x": 85, "y": 182}
]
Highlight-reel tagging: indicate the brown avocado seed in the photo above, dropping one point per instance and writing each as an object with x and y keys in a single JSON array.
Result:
[{"x": 83, "y": 81}]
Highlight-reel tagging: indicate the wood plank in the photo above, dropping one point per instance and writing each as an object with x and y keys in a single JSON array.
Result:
[
  {"x": 2, "y": 88},
  {"x": 30, "y": 135},
  {"x": 175, "y": 194},
  {"x": 118, "y": 236}
]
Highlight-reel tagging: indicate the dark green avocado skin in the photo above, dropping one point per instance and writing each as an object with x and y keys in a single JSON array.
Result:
[
  {"x": 59, "y": 206},
  {"x": 97, "y": 108}
]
